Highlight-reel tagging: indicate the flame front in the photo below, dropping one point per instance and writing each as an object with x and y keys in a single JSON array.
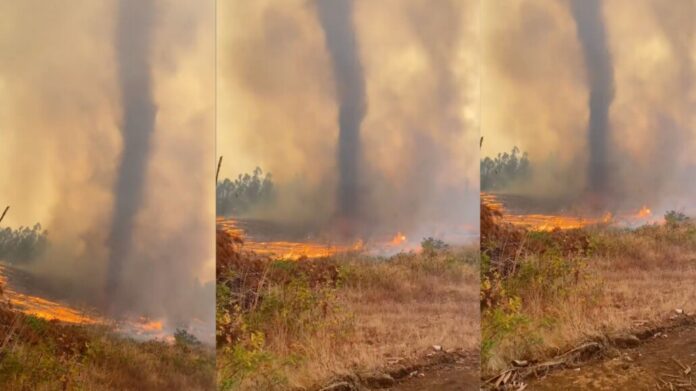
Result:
[
  {"x": 548, "y": 222},
  {"x": 151, "y": 325},
  {"x": 398, "y": 239},
  {"x": 644, "y": 212},
  {"x": 43, "y": 307},
  {"x": 294, "y": 250},
  {"x": 543, "y": 222},
  {"x": 288, "y": 250}
]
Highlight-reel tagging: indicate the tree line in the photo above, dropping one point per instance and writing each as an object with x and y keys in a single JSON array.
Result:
[
  {"x": 505, "y": 170},
  {"x": 239, "y": 196},
  {"x": 23, "y": 244}
]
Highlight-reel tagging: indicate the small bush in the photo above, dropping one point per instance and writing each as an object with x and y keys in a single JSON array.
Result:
[
  {"x": 432, "y": 246},
  {"x": 185, "y": 339},
  {"x": 524, "y": 275},
  {"x": 675, "y": 219},
  {"x": 266, "y": 306}
]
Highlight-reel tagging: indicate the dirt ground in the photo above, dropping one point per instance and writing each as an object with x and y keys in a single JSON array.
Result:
[
  {"x": 437, "y": 371},
  {"x": 666, "y": 361},
  {"x": 451, "y": 378}
]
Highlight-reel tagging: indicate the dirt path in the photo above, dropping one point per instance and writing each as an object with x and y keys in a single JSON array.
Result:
[
  {"x": 453, "y": 378},
  {"x": 459, "y": 375},
  {"x": 437, "y": 371},
  {"x": 666, "y": 361}
]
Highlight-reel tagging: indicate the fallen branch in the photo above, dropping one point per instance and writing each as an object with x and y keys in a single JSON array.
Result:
[{"x": 513, "y": 379}]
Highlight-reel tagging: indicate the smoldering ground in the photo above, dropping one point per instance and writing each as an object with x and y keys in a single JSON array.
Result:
[
  {"x": 63, "y": 114},
  {"x": 281, "y": 98},
  {"x": 539, "y": 72}
]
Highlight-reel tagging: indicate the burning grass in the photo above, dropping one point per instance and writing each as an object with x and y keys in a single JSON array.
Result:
[
  {"x": 37, "y": 354},
  {"x": 289, "y": 250},
  {"x": 544, "y": 292},
  {"x": 286, "y": 324}
]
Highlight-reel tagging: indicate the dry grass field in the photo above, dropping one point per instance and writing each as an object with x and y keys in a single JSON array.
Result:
[
  {"x": 296, "y": 324},
  {"x": 545, "y": 292}
]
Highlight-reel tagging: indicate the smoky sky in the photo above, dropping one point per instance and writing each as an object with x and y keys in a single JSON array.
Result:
[
  {"x": 600, "y": 79},
  {"x": 133, "y": 53},
  {"x": 296, "y": 80},
  {"x": 602, "y": 85},
  {"x": 336, "y": 21},
  {"x": 109, "y": 143}
]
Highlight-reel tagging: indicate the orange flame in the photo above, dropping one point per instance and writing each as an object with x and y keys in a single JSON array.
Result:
[
  {"x": 150, "y": 325},
  {"x": 606, "y": 219},
  {"x": 543, "y": 222},
  {"x": 644, "y": 212},
  {"x": 398, "y": 239},
  {"x": 287, "y": 250}
]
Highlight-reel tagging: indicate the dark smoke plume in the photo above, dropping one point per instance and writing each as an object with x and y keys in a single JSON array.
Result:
[
  {"x": 133, "y": 47},
  {"x": 335, "y": 19},
  {"x": 600, "y": 76}
]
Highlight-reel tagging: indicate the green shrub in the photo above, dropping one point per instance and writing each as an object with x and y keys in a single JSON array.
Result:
[
  {"x": 432, "y": 246},
  {"x": 185, "y": 339},
  {"x": 675, "y": 219}
]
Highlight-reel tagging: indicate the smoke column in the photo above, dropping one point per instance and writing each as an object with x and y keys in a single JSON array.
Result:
[
  {"x": 600, "y": 74},
  {"x": 334, "y": 16},
  {"x": 133, "y": 40}
]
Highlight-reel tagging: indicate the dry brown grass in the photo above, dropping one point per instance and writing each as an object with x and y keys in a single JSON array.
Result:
[
  {"x": 398, "y": 309},
  {"x": 646, "y": 274},
  {"x": 628, "y": 278},
  {"x": 374, "y": 311}
]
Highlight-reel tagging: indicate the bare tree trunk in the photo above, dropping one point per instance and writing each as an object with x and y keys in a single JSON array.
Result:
[
  {"x": 217, "y": 173},
  {"x": 4, "y": 213}
]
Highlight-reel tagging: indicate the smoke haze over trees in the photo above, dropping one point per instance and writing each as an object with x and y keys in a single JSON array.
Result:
[
  {"x": 550, "y": 77},
  {"x": 283, "y": 98},
  {"x": 505, "y": 170},
  {"x": 72, "y": 93},
  {"x": 243, "y": 194},
  {"x": 23, "y": 244}
]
